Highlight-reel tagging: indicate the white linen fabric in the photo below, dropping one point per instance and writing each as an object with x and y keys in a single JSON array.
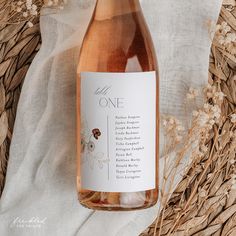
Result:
[{"x": 41, "y": 177}]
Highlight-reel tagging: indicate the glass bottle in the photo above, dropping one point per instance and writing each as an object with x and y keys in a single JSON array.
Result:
[{"x": 117, "y": 110}]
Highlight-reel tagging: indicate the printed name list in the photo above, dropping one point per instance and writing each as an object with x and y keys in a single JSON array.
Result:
[{"x": 129, "y": 144}]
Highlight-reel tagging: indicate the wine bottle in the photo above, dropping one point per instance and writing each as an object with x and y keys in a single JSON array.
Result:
[{"x": 117, "y": 110}]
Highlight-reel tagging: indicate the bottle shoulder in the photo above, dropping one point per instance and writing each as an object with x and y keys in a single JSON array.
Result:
[{"x": 122, "y": 43}]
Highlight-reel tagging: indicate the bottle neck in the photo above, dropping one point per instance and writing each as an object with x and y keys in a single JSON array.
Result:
[{"x": 107, "y": 9}]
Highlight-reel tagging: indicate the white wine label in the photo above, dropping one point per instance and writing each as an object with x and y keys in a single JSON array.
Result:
[{"x": 118, "y": 131}]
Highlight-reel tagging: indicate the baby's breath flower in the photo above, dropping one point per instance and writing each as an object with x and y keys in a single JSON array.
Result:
[
  {"x": 30, "y": 24},
  {"x": 195, "y": 113},
  {"x": 192, "y": 93},
  {"x": 233, "y": 118},
  {"x": 178, "y": 138},
  {"x": 225, "y": 28},
  {"x": 34, "y": 7},
  {"x": 224, "y": 34},
  {"x": 19, "y": 3},
  {"x": 207, "y": 106},
  {"x": 33, "y": 12},
  {"x": 202, "y": 193},
  {"x": 216, "y": 111},
  {"x": 173, "y": 126},
  {"x": 25, "y": 14},
  {"x": 209, "y": 86},
  {"x": 180, "y": 128},
  {"x": 221, "y": 39},
  {"x": 165, "y": 122},
  {"x": 56, "y": 3},
  {"x": 231, "y": 37},
  {"x": 220, "y": 96},
  {"x": 172, "y": 120},
  {"x": 208, "y": 116},
  {"x": 199, "y": 154},
  {"x": 203, "y": 118},
  {"x": 28, "y": 4},
  {"x": 18, "y": 9},
  {"x": 209, "y": 176},
  {"x": 210, "y": 91},
  {"x": 213, "y": 28},
  {"x": 31, "y": 8}
]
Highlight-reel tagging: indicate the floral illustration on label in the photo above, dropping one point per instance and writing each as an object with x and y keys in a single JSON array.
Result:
[{"x": 88, "y": 148}]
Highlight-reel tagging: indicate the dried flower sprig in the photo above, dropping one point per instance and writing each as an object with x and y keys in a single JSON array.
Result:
[
  {"x": 224, "y": 35},
  {"x": 173, "y": 128},
  {"x": 194, "y": 144},
  {"x": 233, "y": 118},
  {"x": 192, "y": 93},
  {"x": 59, "y": 4},
  {"x": 27, "y": 10}
]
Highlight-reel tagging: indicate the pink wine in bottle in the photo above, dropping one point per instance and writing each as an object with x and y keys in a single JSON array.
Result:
[{"x": 117, "y": 110}]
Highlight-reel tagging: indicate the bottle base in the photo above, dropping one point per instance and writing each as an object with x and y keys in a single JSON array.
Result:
[{"x": 108, "y": 207}]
